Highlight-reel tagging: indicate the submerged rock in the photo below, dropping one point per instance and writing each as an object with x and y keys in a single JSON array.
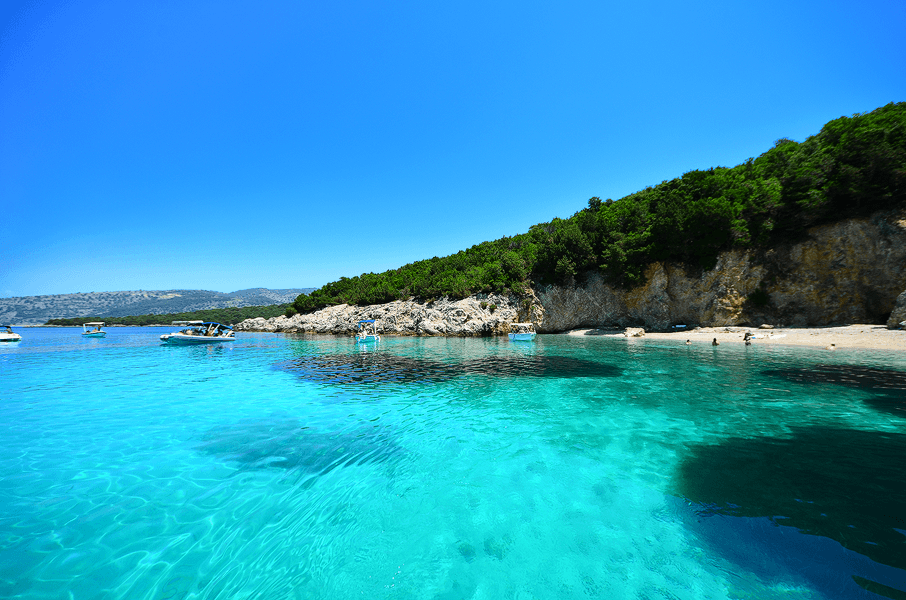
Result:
[
  {"x": 386, "y": 368},
  {"x": 285, "y": 443},
  {"x": 838, "y": 483}
]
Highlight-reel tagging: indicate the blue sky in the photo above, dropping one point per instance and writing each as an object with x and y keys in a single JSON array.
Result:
[{"x": 226, "y": 145}]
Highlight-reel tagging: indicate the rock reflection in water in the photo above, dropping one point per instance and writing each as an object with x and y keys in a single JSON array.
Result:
[
  {"x": 890, "y": 386},
  {"x": 374, "y": 367},
  {"x": 847, "y": 485},
  {"x": 382, "y": 367},
  {"x": 286, "y": 444}
]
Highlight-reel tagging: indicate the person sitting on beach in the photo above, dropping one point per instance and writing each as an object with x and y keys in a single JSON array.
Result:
[{"x": 715, "y": 342}]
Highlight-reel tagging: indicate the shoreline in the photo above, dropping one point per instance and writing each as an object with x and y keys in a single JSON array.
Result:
[
  {"x": 839, "y": 337},
  {"x": 842, "y": 337}
]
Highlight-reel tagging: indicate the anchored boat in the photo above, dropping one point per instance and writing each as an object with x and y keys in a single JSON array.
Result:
[
  {"x": 97, "y": 332},
  {"x": 199, "y": 332},
  {"x": 522, "y": 332},
  {"x": 367, "y": 332},
  {"x": 9, "y": 335}
]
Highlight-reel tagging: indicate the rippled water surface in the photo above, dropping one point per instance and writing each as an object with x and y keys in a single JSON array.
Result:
[{"x": 571, "y": 467}]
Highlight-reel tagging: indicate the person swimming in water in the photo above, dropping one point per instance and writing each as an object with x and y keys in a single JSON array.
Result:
[{"x": 715, "y": 342}]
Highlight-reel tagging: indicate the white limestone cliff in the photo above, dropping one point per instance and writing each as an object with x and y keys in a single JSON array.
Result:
[{"x": 474, "y": 316}]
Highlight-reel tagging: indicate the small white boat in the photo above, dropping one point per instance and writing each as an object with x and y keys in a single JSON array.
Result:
[
  {"x": 522, "y": 332},
  {"x": 9, "y": 335},
  {"x": 199, "y": 332},
  {"x": 97, "y": 332},
  {"x": 367, "y": 332}
]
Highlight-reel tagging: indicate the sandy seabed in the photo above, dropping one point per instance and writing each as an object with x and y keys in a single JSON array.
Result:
[{"x": 842, "y": 337}]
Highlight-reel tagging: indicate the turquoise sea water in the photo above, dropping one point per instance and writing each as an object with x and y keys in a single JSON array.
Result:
[{"x": 573, "y": 467}]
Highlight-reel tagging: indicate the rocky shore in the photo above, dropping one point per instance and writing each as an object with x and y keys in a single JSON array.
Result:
[
  {"x": 848, "y": 272},
  {"x": 481, "y": 315}
]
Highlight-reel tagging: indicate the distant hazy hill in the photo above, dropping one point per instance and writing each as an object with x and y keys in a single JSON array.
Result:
[{"x": 36, "y": 310}]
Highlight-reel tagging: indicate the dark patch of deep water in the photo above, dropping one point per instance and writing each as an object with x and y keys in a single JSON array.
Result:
[
  {"x": 843, "y": 484},
  {"x": 384, "y": 367},
  {"x": 889, "y": 386}
]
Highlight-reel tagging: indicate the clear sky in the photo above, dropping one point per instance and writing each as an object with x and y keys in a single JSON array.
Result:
[{"x": 224, "y": 145}]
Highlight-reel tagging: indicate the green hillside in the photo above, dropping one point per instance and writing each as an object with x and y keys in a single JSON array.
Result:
[
  {"x": 219, "y": 315},
  {"x": 853, "y": 167}
]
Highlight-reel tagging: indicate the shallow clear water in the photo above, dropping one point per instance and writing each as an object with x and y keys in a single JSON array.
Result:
[{"x": 572, "y": 467}]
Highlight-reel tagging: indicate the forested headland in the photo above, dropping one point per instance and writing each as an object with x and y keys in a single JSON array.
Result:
[
  {"x": 218, "y": 315},
  {"x": 853, "y": 167}
]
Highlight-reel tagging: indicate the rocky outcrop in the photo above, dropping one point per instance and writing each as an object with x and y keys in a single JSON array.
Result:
[
  {"x": 474, "y": 316},
  {"x": 898, "y": 315},
  {"x": 669, "y": 296},
  {"x": 848, "y": 272}
]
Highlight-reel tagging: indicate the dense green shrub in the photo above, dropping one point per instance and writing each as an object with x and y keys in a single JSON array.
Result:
[{"x": 853, "y": 167}]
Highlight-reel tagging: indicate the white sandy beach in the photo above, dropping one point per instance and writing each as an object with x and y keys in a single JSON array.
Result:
[{"x": 874, "y": 337}]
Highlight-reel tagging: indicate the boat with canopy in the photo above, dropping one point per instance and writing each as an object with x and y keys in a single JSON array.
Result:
[
  {"x": 199, "y": 332},
  {"x": 367, "y": 332},
  {"x": 96, "y": 332},
  {"x": 521, "y": 332},
  {"x": 8, "y": 335}
]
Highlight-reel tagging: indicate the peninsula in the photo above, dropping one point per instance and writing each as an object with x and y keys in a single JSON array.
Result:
[{"x": 807, "y": 234}]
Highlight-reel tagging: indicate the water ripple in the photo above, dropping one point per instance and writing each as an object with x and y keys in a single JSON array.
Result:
[{"x": 287, "y": 444}]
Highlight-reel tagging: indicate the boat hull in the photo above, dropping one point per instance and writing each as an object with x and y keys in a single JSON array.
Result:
[
  {"x": 192, "y": 340},
  {"x": 10, "y": 337},
  {"x": 95, "y": 334},
  {"x": 521, "y": 337},
  {"x": 364, "y": 339}
]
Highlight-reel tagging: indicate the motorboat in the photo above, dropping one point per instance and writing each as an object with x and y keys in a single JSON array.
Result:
[
  {"x": 199, "y": 332},
  {"x": 9, "y": 335},
  {"x": 367, "y": 332},
  {"x": 522, "y": 332},
  {"x": 96, "y": 332}
]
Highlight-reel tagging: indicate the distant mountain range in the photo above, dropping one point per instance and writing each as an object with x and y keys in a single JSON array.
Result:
[{"x": 36, "y": 310}]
